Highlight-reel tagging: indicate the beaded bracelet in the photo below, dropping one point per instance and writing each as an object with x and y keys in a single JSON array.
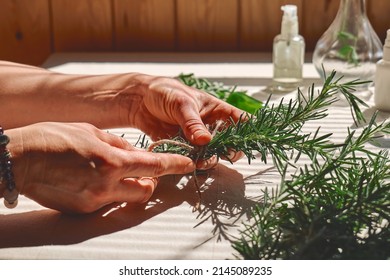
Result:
[{"x": 10, "y": 193}]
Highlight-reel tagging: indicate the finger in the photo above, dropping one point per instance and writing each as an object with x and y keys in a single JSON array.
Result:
[
  {"x": 207, "y": 164},
  {"x": 192, "y": 125},
  {"x": 147, "y": 164},
  {"x": 233, "y": 155},
  {"x": 137, "y": 190},
  {"x": 115, "y": 141},
  {"x": 239, "y": 115},
  {"x": 196, "y": 132}
]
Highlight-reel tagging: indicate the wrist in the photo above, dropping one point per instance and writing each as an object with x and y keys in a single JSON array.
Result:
[
  {"x": 130, "y": 98},
  {"x": 105, "y": 101},
  {"x": 93, "y": 99}
]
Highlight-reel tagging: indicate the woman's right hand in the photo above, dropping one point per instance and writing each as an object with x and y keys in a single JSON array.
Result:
[{"x": 75, "y": 167}]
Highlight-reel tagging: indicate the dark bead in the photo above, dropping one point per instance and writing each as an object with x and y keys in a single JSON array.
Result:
[
  {"x": 8, "y": 165},
  {"x": 11, "y": 198},
  {"x": 10, "y": 205},
  {"x": 11, "y": 185},
  {"x": 4, "y": 140},
  {"x": 9, "y": 176},
  {"x": 1, "y": 130}
]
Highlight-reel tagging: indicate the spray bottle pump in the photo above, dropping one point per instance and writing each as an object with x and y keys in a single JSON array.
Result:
[
  {"x": 289, "y": 21},
  {"x": 288, "y": 52}
]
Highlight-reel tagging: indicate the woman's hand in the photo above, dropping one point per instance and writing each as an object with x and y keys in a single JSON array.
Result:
[
  {"x": 159, "y": 106},
  {"x": 79, "y": 168},
  {"x": 168, "y": 106}
]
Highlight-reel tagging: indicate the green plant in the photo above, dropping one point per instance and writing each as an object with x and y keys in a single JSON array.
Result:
[
  {"x": 347, "y": 51},
  {"x": 231, "y": 95},
  {"x": 337, "y": 207}
]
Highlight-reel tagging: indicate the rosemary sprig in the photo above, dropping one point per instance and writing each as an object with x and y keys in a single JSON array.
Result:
[
  {"x": 338, "y": 209},
  {"x": 276, "y": 130}
]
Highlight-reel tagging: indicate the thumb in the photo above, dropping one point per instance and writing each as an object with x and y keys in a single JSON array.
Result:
[
  {"x": 137, "y": 189},
  {"x": 193, "y": 127}
]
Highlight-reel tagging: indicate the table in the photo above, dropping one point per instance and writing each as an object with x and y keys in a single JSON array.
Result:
[{"x": 167, "y": 227}]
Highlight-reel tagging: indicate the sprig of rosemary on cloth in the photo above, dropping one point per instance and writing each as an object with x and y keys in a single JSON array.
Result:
[{"x": 336, "y": 209}]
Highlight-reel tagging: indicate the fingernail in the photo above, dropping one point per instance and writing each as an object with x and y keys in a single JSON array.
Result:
[
  {"x": 234, "y": 155},
  {"x": 207, "y": 164},
  {"x": 149, "y": 184},
  {"x": 190, "y": 167},
  {"x": 201, "y": 137}
]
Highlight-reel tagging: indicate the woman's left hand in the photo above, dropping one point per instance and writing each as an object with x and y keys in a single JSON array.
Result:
[{"x": 167, "y": 106}]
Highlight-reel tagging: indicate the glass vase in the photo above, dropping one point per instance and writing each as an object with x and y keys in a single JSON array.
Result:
[{"x": 350, "y": 45}]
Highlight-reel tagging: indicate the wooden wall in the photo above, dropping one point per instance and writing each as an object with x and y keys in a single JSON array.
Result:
[{"x": 30, "y": 30}]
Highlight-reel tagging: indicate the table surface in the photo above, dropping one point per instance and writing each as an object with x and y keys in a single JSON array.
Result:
[{"x": 167, "y": 227}]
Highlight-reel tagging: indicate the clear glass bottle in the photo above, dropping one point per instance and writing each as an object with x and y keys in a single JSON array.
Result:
[
  {"x": 288, "y": 52},
  {"x": 382, "y": 78},
  {"x": 350, "y": 45}
]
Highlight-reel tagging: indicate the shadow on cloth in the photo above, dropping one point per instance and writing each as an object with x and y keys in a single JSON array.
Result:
[{"x": 223, "y": 195}]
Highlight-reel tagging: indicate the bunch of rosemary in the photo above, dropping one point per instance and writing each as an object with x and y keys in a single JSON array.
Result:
[{"x": 337, "y": 207}]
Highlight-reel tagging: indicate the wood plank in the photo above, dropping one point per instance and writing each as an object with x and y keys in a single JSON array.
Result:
[
  {"x": 82, "y": 25},
  {"x": 317, "y": 16},
  {"x": 260, "y": 22},
  {"x": 25, "y": 31},
  {"x": 147, "y": 25},
  {"x": 378, "y": 12},
  {"x": 207, "y": 25}
]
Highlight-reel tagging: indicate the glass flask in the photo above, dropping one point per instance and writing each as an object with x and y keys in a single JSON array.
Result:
[{"x": 350, "y": 45}]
